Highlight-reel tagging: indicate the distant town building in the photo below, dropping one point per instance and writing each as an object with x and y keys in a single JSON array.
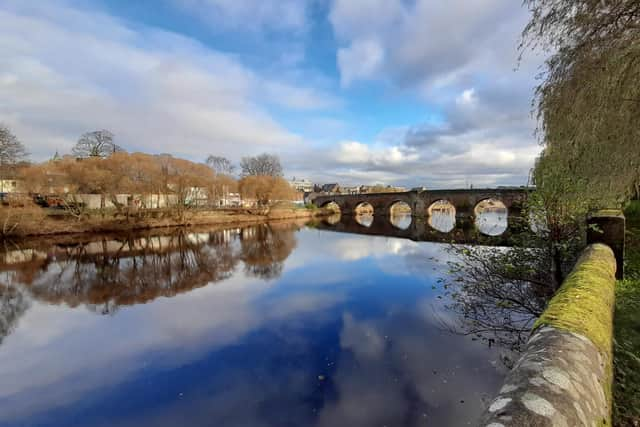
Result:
[
  {"x": 350, "y": 190},
  {"x": 11, "y": 185},
  {"x": 303, "y": 185},
  {"x": 379, "y": 188},
  {"x": 330, "y": 188}
]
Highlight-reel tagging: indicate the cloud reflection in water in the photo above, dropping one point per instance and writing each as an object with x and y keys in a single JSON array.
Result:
[{"x": 261, "y": 326}]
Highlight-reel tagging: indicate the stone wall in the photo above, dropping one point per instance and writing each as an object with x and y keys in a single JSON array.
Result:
[{"x": 564, "y": 376}]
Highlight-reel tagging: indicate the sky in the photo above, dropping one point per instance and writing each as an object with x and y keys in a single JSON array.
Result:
[{"x": 400, "y": 92}]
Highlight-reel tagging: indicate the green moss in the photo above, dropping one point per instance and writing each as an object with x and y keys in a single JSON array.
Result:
[{"x": 584, "y": 304}]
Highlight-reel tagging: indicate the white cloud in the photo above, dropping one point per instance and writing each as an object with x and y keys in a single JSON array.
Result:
[
  {"x": 65, "y": 71},
  {"x": 299, "y": 98},
  {"x": 282, "y": 15},
  {"x": 427, "y": 41},
  {"x": 361, "y": 60},
  {"x": 458, "y": 57},
  {"x": 467, "y": 98},
  {"x": 352, "y": 19},
  {"x": 354, "y": 152}
]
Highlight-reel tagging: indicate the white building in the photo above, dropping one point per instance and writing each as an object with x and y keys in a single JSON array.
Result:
[{"x": 303, "y": 185}]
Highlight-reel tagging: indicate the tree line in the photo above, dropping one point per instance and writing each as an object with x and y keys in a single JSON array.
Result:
[{"x": 97, "y": 165}]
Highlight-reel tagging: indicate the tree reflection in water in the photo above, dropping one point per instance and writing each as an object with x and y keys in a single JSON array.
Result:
[
  {"x": 264, "y": 250},
  {"x": 109, "y": 273},
  {"x": 13, "y": 304},
  {"x": 497, "y": 293}
]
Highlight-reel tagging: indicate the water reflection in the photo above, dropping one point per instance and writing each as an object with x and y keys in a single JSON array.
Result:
[
  {"x": 365, "y": 219},
  {"x": 109, "y": 273},
  {"x": 420, "y": 229},
  {"x": 269, "y": 325},
  {"x": 332, "y": 219},
  {"x": 401, "y": 221},
  {"x": 13, "y": 304},
  {"x": 443, "y": 221},
  {"x": 264, "y": 251},
  {"x": 492, "y": 223},
  {"x": 491, "y": 217}
]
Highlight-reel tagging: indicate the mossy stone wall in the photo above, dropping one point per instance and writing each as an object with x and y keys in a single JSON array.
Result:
[{"x": 564, "y": 375}]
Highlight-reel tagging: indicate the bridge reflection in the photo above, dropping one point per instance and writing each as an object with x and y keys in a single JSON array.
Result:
[{"x": 490, "y": 228}]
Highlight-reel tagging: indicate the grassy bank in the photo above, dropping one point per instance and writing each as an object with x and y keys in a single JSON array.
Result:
[
  {"x": 627, "y": 328},
  {"x": 16, "y": 222}
]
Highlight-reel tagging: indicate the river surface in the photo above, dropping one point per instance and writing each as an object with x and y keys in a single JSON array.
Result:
[{"x": 269, "y": 325}]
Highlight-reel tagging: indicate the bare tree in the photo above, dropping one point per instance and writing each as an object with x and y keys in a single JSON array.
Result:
[
  {"x": 221, "y": 165},
  {"x": 98, "y": 143},
  {"x": 262, "y": 165},
  {"x": 12, "y": 152}
]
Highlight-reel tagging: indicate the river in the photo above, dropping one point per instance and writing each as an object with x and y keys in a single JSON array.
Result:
[{"x": 268, "y": 325}]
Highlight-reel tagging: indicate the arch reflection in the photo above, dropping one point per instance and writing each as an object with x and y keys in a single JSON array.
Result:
[
  {"x": 400, "y": 215},
  {"x": 442, "y": 216},
  {"x": 401, "y": 221},
  {"x": 365, "y": 219},
  {"x": 332, "y": 219},
  {"x": 491, "y": 217}
]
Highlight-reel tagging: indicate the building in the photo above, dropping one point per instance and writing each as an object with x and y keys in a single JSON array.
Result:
[
  {"x": 330, "y": 188},
  {"x": 230, "y": 200},
  {"x": 11, "y": 185},
  {"x": 350, "y": 190},
  {"x": 303, "y": 185}
]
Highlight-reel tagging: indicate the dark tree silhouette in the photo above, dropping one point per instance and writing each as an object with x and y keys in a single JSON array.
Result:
[
  {"x": 98, "y": 143},
  {"x": 221, "y": 165},
  {"x": 12, "y": 152},
  {"x": 262, "y": 165}
]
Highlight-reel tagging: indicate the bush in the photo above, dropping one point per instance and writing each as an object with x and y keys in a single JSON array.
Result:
[{"x": 15, "y": 220}]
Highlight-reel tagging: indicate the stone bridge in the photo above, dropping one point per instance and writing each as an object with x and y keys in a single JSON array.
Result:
[{"x": 464, "y": 201}]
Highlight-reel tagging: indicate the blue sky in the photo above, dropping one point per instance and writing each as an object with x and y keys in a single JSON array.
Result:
[{"x": 405, "y": 92}]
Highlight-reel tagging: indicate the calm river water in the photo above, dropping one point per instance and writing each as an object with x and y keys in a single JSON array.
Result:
[{"x": 270, "y": 325}]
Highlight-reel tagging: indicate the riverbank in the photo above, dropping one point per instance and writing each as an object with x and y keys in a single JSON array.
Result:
[
  {"x": 626, "y": 390},
  {"x": 31, "y": 222}
]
